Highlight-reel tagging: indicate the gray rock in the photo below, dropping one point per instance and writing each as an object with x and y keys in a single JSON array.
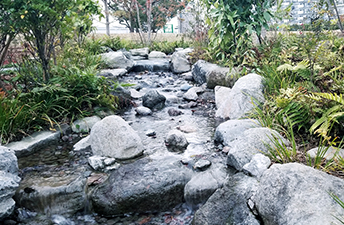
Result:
[
  {"x": 187, "y": 76},
  {"x": 245, "y": 94},
  {"x": 185, "y": 87},
  {"x": 228, "y": 205},
  {"x": 192, "y": 93},
  {"x": 84, "y": 125},
  {"x": 143, "y": 111},
  {"x": 202, "y": 186},
  {"x": 64, "y": 195},
  {"x": 180, "y": 62},
  {"x": 213, "y": 75},
  {"x": 297, "y": 194},
  {"x": 135, "y": 94},
  {"x": 142, "y": 186},
  {"x": 175, "y": 141},
  {"x": 220, "y": 76},
  {"x": 109, "y": 161},
  {"x": 153, "y": 100},
  {"x": 9, "y": 181},
  {"x": 34, "y": 142},
  {"x": 221, "y": 95},
  {"x": 202, "y": 164},
  {"x": 188, "y": 105},
  {"x": 143, "y": 52},
  {"x": 174, "y": 112},
  {"x": 257, "y": 165},
  {"x": 115, "y": 60},
  {"x": 156, "y": 54},
  {"x": 96, "y": 162},
  {"x": 150, "y": 133},
  {"x": 231, "y": 130},
  {"x": 326, "y": 152},
  {"x": 112, "y": 74},
  {"x": 83, "y": 144},
  {"x": 252, "y": 141},
  {"x": 113, "y": 137}
]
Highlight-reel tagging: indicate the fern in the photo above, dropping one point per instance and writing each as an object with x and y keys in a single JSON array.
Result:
[{"x": 331, "y": 116}]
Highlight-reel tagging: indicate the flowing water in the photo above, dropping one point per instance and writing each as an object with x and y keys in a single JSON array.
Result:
[{"x": 59, "y": 164}]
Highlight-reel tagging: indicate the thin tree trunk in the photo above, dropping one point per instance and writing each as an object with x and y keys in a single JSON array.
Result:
[
  {"x": 107, "y": 23},
  {"x": 338, "y": 17},
  {"x": 143, "y": 39},
  {"x": 149, "y": 21}
]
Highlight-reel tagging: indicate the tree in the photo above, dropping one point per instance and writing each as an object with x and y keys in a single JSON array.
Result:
[
  {"x": 231, "y": 24},
  {"x": 47, "y": 24},
  {"x": 9, "y": 27},
  {"x": 161, "y": 11}
]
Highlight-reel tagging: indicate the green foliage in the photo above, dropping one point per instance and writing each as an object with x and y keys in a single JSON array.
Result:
[
  {"x": 231, "y": 26},
  {"x": 162, "y": 11},
  {"x": 280, "y": 152},
  {"x": 332, "y": 115}
]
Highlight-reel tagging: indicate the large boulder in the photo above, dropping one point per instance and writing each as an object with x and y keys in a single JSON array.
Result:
[
  {"x": 229, "y": 204},
  {"x": 58, "y": 194},
  {"x": 246, "y": 93},
  {"x": 115, "y": 60},
  {"x": 297, "y": 194},
  {"x": 252, "y": 142},
  {"x": 142, "y": 186},
  {"x": 9, "y": 181},
  {"x": 213, "y": 75},
  {"x": 113, "y": 137},
  {"x": 180, "y": 62},
  {"x": 153, "y": 100}
]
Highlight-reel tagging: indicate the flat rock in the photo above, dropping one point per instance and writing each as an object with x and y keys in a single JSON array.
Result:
[
  {"x": 34, "y": 142},
  {"x": 152, "y": 65},
  {"x": 82, "y": 145},
  {"x": 143, "y": 52},
  {"x": 326, "y": 152},
  {"x": 113, "y": 73},
  {"x": 113, "y": 137}
]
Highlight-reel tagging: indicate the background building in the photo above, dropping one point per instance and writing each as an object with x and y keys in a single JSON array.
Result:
[{"x": 301, "y": 10}]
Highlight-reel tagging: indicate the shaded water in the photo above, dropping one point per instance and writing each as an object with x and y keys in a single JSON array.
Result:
[{"x": 61, "y": 162}]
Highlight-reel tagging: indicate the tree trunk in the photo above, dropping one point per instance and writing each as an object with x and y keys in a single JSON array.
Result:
[
  {"x": 338, "y": 17},
  {"x": 142, "y": 37},
  {"x": 107, "y": 23},
  {"x": 149, "y": 21}
]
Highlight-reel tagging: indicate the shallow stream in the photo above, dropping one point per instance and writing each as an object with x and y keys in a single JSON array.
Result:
[{"x": 61, "y": 164}]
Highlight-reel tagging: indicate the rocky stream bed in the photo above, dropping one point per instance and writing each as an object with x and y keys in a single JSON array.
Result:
[{"x": 182, "y": 152}]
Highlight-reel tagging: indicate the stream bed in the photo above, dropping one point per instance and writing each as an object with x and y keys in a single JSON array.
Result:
[{"x": 60, "y": 164}]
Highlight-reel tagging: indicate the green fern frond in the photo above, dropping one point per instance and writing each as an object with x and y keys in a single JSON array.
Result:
[{"x": 332, "y": 96}]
